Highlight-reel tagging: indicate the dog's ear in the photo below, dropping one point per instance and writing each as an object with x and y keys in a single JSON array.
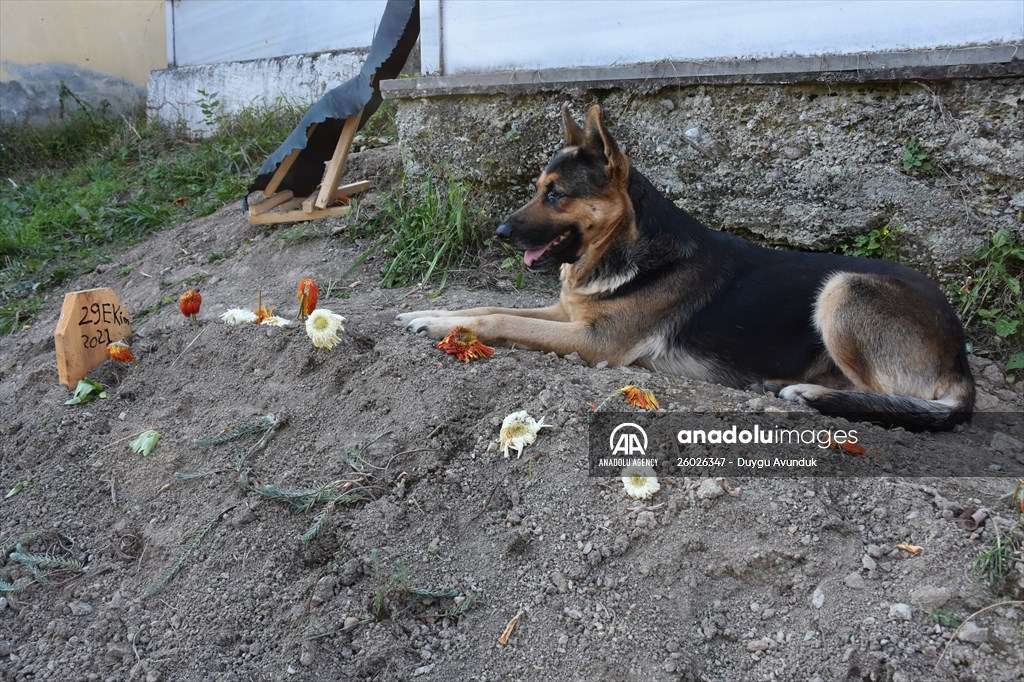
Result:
[
  {"x": 598, "y": 140},
  {"x": 573, "y": 132}
]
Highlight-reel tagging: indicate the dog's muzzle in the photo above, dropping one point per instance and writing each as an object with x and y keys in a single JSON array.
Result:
[{"x": 504, "y": 232}]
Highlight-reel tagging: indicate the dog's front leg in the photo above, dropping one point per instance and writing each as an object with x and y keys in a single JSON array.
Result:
[
  {"x": 552, "y": 312},
  {"x": 554, "y": 336}
]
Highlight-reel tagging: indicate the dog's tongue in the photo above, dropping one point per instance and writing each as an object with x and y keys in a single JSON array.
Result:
[{"x": 531, "y": 255}]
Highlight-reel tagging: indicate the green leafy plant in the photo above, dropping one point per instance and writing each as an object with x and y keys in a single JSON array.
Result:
[
  {"x": 191, "y": 543},
  {"x": 915, "y": 158},
  {"x": 43, "y": 564},
  {"x": 989, "y": 301},
  {"x": 210, "y": 106},
  {"x": 144, "y": 444},
  {"x": 881, "y": 242},
  {"x": 396, "y": 596},
  {"x": 86, "y": 391},
  {"x": 18, "y": 487},
  {"x": 945, "y": 618}
]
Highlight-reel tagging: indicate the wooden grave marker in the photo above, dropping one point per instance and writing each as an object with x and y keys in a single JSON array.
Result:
[{"x": 89, "y": 321}]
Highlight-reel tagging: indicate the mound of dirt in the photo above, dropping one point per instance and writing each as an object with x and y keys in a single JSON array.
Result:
[{"x": 422, "y": 541}]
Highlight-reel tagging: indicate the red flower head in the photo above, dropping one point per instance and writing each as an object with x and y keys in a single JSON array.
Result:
[
  {"x": 462, "y": 342},
  {"x": 119, "y": 351},
  {"x": 189, "y": 304},
  {"x": 309, "y": 294}
]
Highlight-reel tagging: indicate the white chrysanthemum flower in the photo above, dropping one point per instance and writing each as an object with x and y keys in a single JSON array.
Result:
[
  {"x": 238, "y": 316},
  {"x": 640, "y": 483},
  {"x": 519, "y": 430},
  {"x": 322, "y": 327},
  {"x": 275, "y": 321}
]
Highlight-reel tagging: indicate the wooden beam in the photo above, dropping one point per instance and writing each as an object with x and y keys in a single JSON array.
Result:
[
  {"x": 289, "y": 205},
  {"x": 336, "y": 167},
  {"x": 270, "y": 202},
  {"x": 307, "y": 205},
  {"x": 354, "y": 188},
  {"x": 294, "y": 216}
]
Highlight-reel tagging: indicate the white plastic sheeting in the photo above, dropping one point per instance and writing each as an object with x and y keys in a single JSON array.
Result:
[
  {"x": 214, "y": 31},
  {"x": 481, "y": 36}
]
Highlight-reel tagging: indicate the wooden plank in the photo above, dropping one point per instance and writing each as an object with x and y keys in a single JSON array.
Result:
[
  {"x": 344, "y": 192},
  {"x": 290, "y": 205},
  {"x": 296, "y": 216},
  {"x": 90, "y": 320},
  {"x": 270, "y": 202},
  {"x": 354, "y": 188},
  {"x": 282, "y": 170},
  {"x": 336, "y": 167}
]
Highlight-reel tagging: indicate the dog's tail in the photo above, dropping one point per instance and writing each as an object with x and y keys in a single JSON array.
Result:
[{"x": 913, "y": 414}]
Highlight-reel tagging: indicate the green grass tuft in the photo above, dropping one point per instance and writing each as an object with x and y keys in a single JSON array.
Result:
[
  {"x": 73, "y": 192},
  {"x": 430, "y": 228}
]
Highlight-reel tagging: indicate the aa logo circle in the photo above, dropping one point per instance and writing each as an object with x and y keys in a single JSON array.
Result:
[{"x": 628, "y": 439}]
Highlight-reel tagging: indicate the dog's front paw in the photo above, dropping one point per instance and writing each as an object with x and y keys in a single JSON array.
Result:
[
  {"x": 801, "y": 394},
  {"x": 765, "y": 387},
  {"x": 435, "y": 327},
  {"x": 403, "y": 319}
]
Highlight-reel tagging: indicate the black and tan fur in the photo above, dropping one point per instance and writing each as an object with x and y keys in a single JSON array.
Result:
[{"x": 645, "y": 283}]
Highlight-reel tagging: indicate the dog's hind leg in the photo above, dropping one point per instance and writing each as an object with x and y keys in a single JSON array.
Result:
[{"x": 901, "y": 350}]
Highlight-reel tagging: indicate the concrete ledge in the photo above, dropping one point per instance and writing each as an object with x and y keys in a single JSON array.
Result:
[
  {"x": 987, "y": 61},
  {"x": 299, "y": 79}
]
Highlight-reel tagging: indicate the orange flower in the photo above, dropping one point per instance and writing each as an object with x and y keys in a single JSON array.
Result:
[
  {"x": 638, "y": 397},
  {"x": 119, "y": 351},
  {"x": 309, "y": 294},
  {"x": 262, "y": 312},
  {"x": 846, "y": 446},
  {"x": 189, "y": 304},
  {"x": 463, "y": 343}
]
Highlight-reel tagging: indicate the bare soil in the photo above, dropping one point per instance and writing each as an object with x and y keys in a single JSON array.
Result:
[{"x": 446, "y": 541}]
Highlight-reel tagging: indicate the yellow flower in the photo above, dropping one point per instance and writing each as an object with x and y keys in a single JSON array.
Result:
[
  {"x": 238, "y": 316},
  {"x": 640, "y": 483},
  {"x": 519, "y": 430},
  {"x": 322, "y": 327},
  {"x": 638, "y": 397},
  {"x": 275, "y": 321},
  {"x": 463, "y": 343}
]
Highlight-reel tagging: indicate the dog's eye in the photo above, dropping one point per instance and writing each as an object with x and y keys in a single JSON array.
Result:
[{"x": 553, "y": 196}]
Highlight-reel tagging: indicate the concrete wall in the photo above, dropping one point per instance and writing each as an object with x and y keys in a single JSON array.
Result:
[
  {"x": 502, "y": 35},
  {"x": 806, "y": 165},
  {"x": 258, "y": 52},
  {"x": 101, "y": 49},
  {"x": 300, "y": 80}
]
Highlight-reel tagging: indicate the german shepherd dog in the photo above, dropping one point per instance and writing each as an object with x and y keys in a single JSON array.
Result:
[{"x": 645, "y": 283}]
